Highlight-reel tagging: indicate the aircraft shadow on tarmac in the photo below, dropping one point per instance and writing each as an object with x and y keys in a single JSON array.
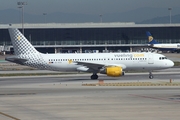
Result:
[
  {"x": 88, "y": 79},
  {"x": 126, "y": 77}
]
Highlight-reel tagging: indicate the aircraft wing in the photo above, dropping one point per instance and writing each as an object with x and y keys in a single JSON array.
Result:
[
  {"x": 91, "y": 66},
  {"x": 98, "y": 66},
  {"x": 15, "y": 59}
]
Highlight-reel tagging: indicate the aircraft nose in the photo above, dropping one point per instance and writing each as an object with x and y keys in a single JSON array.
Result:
[{"x": 170, "y": 63}]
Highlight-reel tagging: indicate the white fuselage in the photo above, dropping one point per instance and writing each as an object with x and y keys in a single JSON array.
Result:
[
  {"x": 128, "y": 61},
  {"x": 165, "y": 46}
]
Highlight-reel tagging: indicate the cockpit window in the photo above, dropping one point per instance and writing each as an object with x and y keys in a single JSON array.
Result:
[{"x": 162, "y": 58}]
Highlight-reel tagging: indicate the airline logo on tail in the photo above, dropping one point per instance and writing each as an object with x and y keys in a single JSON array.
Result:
[
  {"x": 150, "y": 38},
  {"x": 18, "y": 37}
]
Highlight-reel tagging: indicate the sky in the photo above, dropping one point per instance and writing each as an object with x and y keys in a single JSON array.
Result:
[{"x": 86, "y": 6}]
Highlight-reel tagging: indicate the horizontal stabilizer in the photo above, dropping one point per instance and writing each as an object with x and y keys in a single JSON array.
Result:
[{"x": 15, "y": 59}]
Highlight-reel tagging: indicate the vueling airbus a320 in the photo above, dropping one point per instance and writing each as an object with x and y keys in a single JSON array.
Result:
[{"x": 111, "y": 64}]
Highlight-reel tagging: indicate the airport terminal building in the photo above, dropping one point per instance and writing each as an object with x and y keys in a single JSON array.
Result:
[{"x": 90, "y": 37}]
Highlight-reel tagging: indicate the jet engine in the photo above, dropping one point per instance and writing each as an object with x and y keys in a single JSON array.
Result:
[{"x": 114, "y": 71}]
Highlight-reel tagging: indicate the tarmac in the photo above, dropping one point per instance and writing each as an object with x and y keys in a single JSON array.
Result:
[{"x": 62, "y": 97}]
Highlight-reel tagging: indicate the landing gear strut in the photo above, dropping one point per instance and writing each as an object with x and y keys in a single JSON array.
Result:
[
  {"x": 94, "y": 76},
  {"x": 151, "y": 75}
]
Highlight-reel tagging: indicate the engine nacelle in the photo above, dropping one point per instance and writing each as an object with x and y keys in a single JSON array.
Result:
[{"x": 113, "y": 71}]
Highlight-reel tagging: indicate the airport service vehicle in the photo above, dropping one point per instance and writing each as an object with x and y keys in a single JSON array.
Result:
[
  {"x": 111, "y": 64},
  {"x": 163, "y": 47}
]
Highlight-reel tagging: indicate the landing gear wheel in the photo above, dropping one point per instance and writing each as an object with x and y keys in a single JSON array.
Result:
[
  {"x": 94, "y": 76},
  {"x": 151, "y": 76}
]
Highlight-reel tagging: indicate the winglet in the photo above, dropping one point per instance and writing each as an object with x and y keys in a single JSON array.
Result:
[
  {"x": 150, "y": 38},
  {"x": 20, "y": 44}
]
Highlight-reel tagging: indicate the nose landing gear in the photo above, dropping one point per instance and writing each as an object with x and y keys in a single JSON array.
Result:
[{"x": 151, "y": 75}]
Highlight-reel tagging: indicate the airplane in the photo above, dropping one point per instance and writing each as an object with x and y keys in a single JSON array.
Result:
[
  {"x": 163, "y": 47},
  {"x": 111, "y": 64}
]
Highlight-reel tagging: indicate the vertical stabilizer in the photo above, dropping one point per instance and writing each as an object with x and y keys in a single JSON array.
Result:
[
  {"x": 21, "y": 45},
  {"x": 150, "y": 38}
]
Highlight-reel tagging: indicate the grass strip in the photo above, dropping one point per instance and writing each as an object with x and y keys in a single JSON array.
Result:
[{"x": 176, "y": 63}]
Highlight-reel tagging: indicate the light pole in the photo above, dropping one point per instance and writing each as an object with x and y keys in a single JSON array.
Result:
[
  {"x": 21, "y": 5},
  {"x": 170, "y": 14},
  {"x": 100, "y": 18},
  {"x": 20, "y": 21},
  {"x": 44, "y": 17}
]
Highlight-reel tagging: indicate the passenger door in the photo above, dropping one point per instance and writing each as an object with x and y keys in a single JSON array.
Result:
[{"x": 150, "y": 59}]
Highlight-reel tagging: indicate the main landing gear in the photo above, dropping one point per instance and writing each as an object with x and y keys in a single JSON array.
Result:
[
  {"x": 151, "y": 75},
  {"x": 94, "y": 76}
]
